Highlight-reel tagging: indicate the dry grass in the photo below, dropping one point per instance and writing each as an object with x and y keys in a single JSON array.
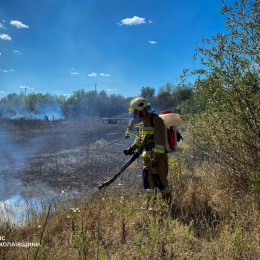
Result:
[{"x": 204, "y": 221}]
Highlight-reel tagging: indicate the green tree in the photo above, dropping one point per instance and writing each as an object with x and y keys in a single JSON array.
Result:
[
  {"x": 165, "y": 97},
  {"x": 148, "y": 92},
  {"x": 228, "y": 89},
  {"x": 182, "y": 93}
]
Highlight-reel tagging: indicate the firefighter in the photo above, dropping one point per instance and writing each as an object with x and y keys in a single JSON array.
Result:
[
  {"x": 152, "y": 137},
  {"x": 133, "y": 125}
]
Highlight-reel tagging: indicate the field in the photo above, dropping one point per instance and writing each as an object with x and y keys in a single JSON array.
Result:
[
  {"x": 46, "y": 159},
  {"x": 63, "y": 162}
]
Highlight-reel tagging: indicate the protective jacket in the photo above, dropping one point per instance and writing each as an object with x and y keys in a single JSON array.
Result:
[{"x": 152, "y": 136}]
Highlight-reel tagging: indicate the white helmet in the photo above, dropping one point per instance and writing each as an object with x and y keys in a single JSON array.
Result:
[{"x": 138, "y": 103}]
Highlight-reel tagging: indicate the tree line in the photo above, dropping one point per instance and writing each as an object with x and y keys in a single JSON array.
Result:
[{"x": 83, "y": 104}]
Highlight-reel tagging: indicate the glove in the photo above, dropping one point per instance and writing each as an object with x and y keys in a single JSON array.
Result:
[
  {"x": 127, "y": 136},
  {"x": 154, "y": 161},
  {"x": 129, "y": 151}
]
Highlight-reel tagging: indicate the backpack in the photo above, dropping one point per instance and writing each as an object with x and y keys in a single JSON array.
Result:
[{"x": 171, "y": 121}]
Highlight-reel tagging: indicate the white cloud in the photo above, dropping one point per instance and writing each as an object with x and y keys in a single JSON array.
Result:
[
  {"x": 2, "y": 26},
  {"x": 19, "y": 24},
  {"x": 5, "y": 37},
  {"x": 2, "y": 92},
  {"x": 0, "y": 53},
  {"x": 16, "y": 52},
  {"x": 93, "y": 74},
  {"x": 105, "y": 75},
  {"x": 74, "y": 73},
  {"x": 132, "y": 21},
  {"x": 6, "y": 71},
  {"x": 152, "y": 42},
  {"x": 25, "y": 87}
]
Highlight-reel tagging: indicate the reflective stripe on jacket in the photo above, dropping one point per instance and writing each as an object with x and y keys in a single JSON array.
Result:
[{"x": 151, "y": 134}]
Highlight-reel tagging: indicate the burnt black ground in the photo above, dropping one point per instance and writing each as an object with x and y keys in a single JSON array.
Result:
[{"x": 48, "y": 158}]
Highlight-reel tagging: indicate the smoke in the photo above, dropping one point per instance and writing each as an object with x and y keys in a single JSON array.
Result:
[
  {"x": 22, "y": 110},
  {"x": 11, "y": 153},
  {"x": 12, "y": 110},
  {"x": 14, "y": 156},
  {"x": 50, "y": 109}
]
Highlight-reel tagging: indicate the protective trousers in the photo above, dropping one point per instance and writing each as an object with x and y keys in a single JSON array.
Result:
[{"x": 156, "y": 177}]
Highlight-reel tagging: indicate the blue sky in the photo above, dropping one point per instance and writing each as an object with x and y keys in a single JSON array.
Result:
[{"x": 60, "y": 46}]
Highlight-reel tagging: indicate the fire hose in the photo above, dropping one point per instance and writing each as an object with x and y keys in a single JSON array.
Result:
[{"x": 133, "y": 158}]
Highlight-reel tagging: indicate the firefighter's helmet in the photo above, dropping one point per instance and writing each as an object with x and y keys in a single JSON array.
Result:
[{"x": 138, "y": 103}]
